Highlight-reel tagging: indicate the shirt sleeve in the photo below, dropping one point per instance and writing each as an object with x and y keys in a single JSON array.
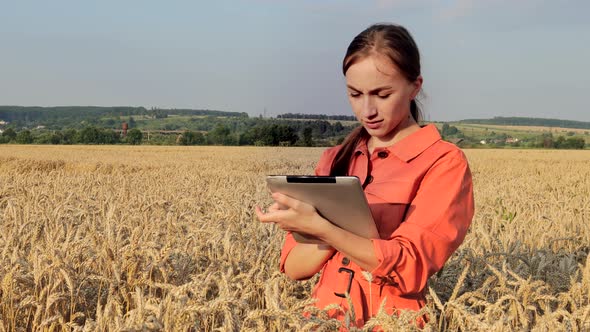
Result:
[
  {"x": 435, "y": 225},
  {"x": 322, "y": 168}
]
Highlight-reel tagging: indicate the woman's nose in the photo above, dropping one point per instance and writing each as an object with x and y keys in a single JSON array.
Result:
[{"x": 369, "y": 107}]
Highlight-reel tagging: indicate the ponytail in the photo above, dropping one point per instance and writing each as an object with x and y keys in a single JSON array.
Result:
[
  {"x": 344, "y": 155},
  {"x": 415, "y": 111}
]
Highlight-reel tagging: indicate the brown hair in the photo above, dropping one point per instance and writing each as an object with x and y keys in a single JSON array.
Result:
[{"x": 394, "y": 42}]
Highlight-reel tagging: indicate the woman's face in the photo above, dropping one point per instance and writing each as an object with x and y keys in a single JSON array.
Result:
[{"x": 380, "y": 97}]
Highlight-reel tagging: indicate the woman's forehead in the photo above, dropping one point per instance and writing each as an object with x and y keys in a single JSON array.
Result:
[{"x": 376, "y": 69}]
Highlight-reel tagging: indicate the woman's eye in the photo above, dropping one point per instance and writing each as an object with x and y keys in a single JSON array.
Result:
[{"x": 384, "y": 96}]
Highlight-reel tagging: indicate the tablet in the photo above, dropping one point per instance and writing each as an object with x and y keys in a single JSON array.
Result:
[{"x": 339, "y": 199}]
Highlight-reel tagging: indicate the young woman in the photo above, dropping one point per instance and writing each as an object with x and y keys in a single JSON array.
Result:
[{"x": 419, "y": 189}]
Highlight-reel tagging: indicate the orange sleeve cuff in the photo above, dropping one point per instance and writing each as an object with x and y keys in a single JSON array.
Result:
[{"x": 388, "y": 253}]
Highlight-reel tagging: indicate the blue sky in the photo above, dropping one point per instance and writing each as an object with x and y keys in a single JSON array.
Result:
[{"x": 479, "y": 58}]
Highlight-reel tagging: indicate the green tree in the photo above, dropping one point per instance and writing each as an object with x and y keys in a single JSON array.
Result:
[
  {"x": 560, "y": 143},
  {"x": 219, "y": 135},
  {"x": 10, "y": 134},
  {"x": 449, "y": 130},
  {"x": 134, "y": 136},
  {"x": 191, "y": 138},
  {"x": 70, "y": 136},
  {"x": 245, "y": 138},
  {"x": 307, "y": 136},
  {"x": 89, "y": 135},
  {"x": 56, "y": 138},
  {"x": 287, "y": 135},
  {"x": 108, "y": 136},
  {"x": 110, "y": 122},
  {"x": 24, "y": 137},
  {"x": 547, "y": 141},
  {"x": 171, "y": 126},
  {"x": 43, "y": 138},
  {"x": 575, "y": 143}
]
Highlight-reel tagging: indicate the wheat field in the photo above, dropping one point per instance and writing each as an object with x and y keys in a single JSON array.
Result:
[{"x": 122, "y": 238}]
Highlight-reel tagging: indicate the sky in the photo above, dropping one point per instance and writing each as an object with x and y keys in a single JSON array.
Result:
[{"x": 479, "y": 58}]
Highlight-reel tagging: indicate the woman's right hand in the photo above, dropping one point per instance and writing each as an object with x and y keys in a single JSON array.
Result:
[
  {"x": 304, "y": 260},
  {"x": 296, "y": 216}
]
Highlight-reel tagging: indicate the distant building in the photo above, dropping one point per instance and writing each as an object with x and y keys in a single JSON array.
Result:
[
  {"x": 2, "y": 123},
  {"x": 455, "y": 140},
  {"x": 483, "y": 142},
  {"x": 40, "y": 127},
  {"x": 512, "y": 140}
]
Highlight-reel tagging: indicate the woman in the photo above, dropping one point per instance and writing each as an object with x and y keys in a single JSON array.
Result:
[{"x": 419, "y": 189}]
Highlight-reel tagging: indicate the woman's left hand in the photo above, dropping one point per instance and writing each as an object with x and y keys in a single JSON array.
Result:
[{"x": 294, "y": 216}]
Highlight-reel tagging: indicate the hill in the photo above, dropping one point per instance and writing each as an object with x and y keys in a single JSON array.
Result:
[
  {"x": 530, "y": 122},
  {"x": 62, "y": 117}
]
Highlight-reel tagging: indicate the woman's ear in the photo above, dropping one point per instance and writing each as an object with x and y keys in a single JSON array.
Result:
[{"x": 417, "y": 86}]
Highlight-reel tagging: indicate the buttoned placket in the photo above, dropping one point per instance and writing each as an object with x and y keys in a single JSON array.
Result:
[
  {"x": 366, "y": 178},
  {"x": 362, "y": 165},
  {"x": 382, "y": 154}
]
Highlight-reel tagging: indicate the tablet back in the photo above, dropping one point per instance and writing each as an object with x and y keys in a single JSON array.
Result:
[{"x": 340, "y": 199}]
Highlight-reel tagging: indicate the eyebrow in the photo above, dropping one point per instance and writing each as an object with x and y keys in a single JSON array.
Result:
[{"x": 374, "y": 91}]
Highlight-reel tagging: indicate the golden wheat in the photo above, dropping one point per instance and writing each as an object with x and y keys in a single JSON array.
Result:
[{"x": 96, "y": 238}]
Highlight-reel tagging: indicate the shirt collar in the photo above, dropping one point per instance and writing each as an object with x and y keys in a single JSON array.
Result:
[{"x": 410, "y": 146}]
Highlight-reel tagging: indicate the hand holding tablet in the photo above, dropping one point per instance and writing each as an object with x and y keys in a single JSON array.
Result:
[{"x": 338, "y": 199}]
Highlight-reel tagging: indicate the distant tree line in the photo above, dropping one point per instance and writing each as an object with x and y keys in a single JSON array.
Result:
[
  {"x": 102, "y": 125},
  {"x": 448, "y": 130},
  {"x": 316, "y": 117},
  {"x": 548, "y": 141},
  {"x": 62, "y": 117},
  {"x": 542, "y": 141},
  {"x": 270, "y": 133},
  {"x": 523, "y": 121},
  {"x": 88, "y": 135},
  {"x": 263, "y": 133}
]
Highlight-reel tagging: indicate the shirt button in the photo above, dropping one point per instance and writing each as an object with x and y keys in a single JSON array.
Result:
[
  {"x": 345, "y": 261},
  {"x": 369, "y": 179},
  {"x": 382, "y": 154}
]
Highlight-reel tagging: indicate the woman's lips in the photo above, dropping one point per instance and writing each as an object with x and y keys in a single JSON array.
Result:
[{"x": 373, "y": 124}]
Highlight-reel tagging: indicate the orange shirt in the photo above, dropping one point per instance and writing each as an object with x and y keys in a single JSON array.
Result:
[{"x": 421, "y": 196}]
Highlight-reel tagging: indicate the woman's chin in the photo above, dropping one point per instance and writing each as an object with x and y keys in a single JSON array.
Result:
[{"x": 377, "y": 132}]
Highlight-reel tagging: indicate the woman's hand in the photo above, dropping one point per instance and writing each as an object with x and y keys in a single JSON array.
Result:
[{"x": 294, "y": 215}]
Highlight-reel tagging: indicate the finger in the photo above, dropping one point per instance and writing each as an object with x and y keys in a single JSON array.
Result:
[
  {"x": 287, "y": 201},
  {"x": 260, "y": 214},
  {"x": 274, "y": 207},
  {"x": 269, "y": 216}
]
